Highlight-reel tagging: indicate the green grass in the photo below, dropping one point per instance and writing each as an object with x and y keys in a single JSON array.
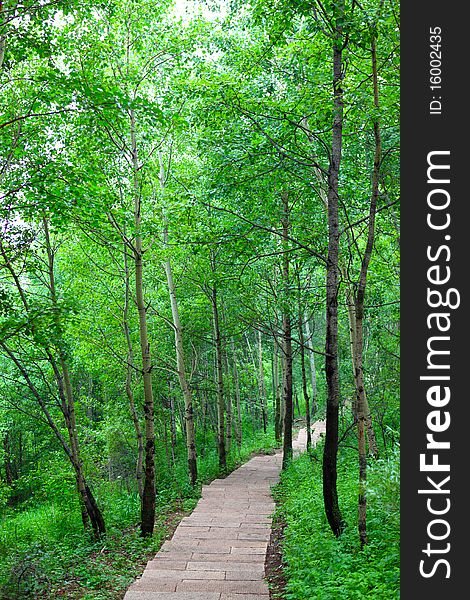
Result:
[
  {"x": 44, "y": 552},
  {"x": 317, "y": 565}
]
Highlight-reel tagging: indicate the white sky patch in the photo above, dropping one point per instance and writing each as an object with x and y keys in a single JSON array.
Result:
[
  {"x": 60, "y": 20},
  {"x": 212, "y": 10}
]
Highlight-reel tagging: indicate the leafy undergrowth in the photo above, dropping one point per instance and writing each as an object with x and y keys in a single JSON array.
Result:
[
  {"x": 316, "y": 564},
  {"x": 74, "y": 565},
  {"x": 45, "y": 554}
]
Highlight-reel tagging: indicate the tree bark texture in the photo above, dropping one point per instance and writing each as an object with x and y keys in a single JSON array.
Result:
[
  {"x": 261, "y": 384},
  {"x": 236, "y": 385},
  {"x": 287, "y": 339},
  {"x": 277, "y": 393},
  {"x": 313, "y": 373},
  {"x": 360, "y": 300},
  {"x": 220, "y": 379},
  {"x": 129, "y": 372},
  {"x": 330, "y": 493},
  {"x": 229, "y": 403},
  {"x": 180, "y": 358},
  {"x": 148, "y": 496},
  {"x": 89, "y": 507},
  {"x": 304, "y": 383}
]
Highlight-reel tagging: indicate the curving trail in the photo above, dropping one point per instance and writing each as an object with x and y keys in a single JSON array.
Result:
[
  {"x": 218, "y": 552},
  {"x": 300, "y": 443}
]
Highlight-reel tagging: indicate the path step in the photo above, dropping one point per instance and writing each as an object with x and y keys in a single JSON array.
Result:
[{"x": 218, "y": 552}]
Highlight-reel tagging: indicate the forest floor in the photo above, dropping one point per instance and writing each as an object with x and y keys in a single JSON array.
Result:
[{"x": 219, "y": 551}]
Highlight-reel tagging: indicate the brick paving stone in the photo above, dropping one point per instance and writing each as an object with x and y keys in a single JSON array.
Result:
[
  {"x": 246, "y": 587},
  {"x": 258, "y": 537},
  {"x": 136, "y": 595},
  {"x": 168, "y": 564},
  {"x": 155, "y": 585},
  {"x": 232, "y": 543},
  {"x": 257, "y": 519},
  {"x": 174, "y": 547},
  {"x": 179, "y": 575},
  {"x": 243, "y": 575},
  {"x": 230, "y": 558},
  {"x": 232, "y": 596},
  {"x": 221, "y": 565},
  {"x": 218, "y": 552},
  {"x": 221, "y": 547},
  {"x": 251, "y": 551}
]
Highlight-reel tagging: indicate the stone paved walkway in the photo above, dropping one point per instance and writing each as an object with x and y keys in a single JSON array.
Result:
[
  {"x": 218, "y": 552},
  {"x": 300, "y": 443}
]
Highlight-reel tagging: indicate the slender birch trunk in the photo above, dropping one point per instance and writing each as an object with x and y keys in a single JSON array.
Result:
[
  {"x": 313, "y": 373},
  {"x": 359, "y": 305},
  {"x": 3, "y": 36},
  {"x": 236, "y": 385},
  {"x": 171, "y": 402},
  {"x": 180, "y": 358},
  {"x": 283, "y": 385},
  {"x": 277, "y": 393},
  {"x": 228, "y": 404},
  {"x": 261, "y": 383},
  {"x": 148, "y": 496},
  {"x": 9, "y": 478},
  {"x": 330, "y": 493},
  {"x": 304, "y": 382},
  {"x": 89, "y": 507},
  {"x": 221, "y": 447},
  {"x": 287, "y": 338},
  {"x": 252, "y": 353},
  {"x": 371, "y": 437},
  {"x": 129, "y": 372}
]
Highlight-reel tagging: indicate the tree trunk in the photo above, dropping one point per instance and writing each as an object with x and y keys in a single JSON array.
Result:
[
  {"x": 229, "y": 407},
  {"x": 89, "y": 508},
  {"x": 180, "y": 359},
  {"x": 359, "y": 305},
  {"x": 171, "y": 402},
  {"x": 313, "y": 373},
  {"x": 288, "y": 404},
  {"x": 129, "y": 371},
  {"x": 304, "y": 383},
  {"x": 148, "y": 496},
  {"x": 277, "y": 393},
  {"x": 330, "y": 493},
  {"x": 7, "y": 460},
  {"x": 287, "y": 339},
  {"x": 252, "y": 353},
  {"x": 236, "y": 385},
  {"x": 203, "y": 404},
  {"x": 94, "y": 514},
  {"x": 296, "y": 405},
  {"x": 261, "y": 384},
  {"x": 283, "y": 385},
  {"x": 371, "y": 437},
  {"x": 3, "y": 37},
  {"x": 362, "y": 498},
  {"x": 220, "y": 380}
]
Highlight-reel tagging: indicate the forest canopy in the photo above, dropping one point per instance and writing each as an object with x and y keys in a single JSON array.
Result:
[{"x": 199, "y": 253}]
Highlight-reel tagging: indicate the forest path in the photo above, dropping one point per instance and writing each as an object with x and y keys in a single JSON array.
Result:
[
  {"x": 218, "y": 552},
  {"x": 300, "y": 443}
]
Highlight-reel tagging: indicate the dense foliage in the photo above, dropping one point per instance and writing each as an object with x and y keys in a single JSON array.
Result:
[
  {"x": 169, "y": 281},
  {"x": 320, "y": 567}
]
